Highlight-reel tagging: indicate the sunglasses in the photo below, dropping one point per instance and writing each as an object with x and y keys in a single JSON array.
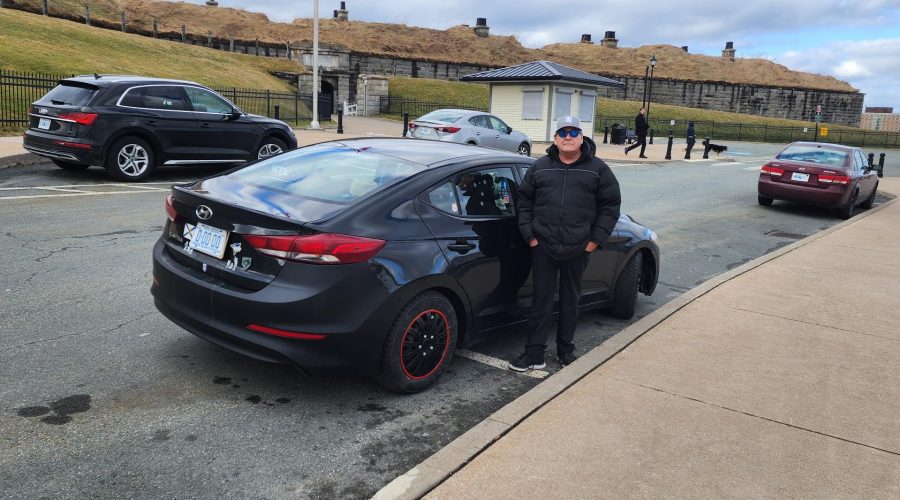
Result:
[{"x": 572, "y": 132}]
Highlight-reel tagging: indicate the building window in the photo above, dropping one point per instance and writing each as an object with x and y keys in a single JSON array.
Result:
[
  {"x": 532, "y": 104},
  {"x": 586, "y": 106},
  {"x": 563, "y": 104}
]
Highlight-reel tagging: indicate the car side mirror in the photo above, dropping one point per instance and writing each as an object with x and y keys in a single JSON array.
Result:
[
  {"x": 234, "y": 115},
  {"x": 508, "y": 130}
]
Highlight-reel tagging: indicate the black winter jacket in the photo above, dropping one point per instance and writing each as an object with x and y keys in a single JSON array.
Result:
[
  {"x": 640, "y": 125},
  {"x": 565, "y": 206}
]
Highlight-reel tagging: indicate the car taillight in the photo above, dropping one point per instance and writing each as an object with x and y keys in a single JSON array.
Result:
[
  {"x": 449, "y": 130},
  {"x": 769, "y": 169},
  {"x": 412, "y": 125},
  {"x": 278, "y": 332},
  {"x": 79, "y": 118},
  {"x": 834, "y": 179},
  {"x": 317, "y": 248},
  {"x": 170, "y": 209}
]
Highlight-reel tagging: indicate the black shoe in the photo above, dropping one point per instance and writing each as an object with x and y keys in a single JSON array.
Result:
[
  {"x": 626, "y": 150},
  {"x": 566, "y": 358},
  {"x": 524, "y": 363},
  {"x": 642, "y": 156}
]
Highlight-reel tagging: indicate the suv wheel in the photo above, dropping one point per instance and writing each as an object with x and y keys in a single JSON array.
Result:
[
  {"x": 270, "y": 147},
  {"x": 130, "y": 159}
]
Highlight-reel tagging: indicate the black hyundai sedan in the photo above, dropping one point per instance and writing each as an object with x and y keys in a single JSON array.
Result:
[
  {"x": 379, "y": 255},
  {"x": 132, "y": 124}
]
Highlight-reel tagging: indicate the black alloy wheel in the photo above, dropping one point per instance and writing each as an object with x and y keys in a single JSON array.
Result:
[
  {"x": 626, "y": 289},
  {"x": 130, "y": 159},
  {"x": 420, "y": 344},
  {"x": 270, "y": 147},
  {"x": 846, "y": 211},
  {"x": 524, "y": 149}
]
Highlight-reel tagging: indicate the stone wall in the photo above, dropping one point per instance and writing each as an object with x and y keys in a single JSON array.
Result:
[{"x": 842, "y": 108}]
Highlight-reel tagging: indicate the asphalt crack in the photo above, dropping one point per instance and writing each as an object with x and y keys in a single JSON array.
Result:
[{"x": 76, "y": 334}]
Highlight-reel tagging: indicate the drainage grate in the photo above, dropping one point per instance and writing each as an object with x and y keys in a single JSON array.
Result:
[{"x": 782, "y": 234}]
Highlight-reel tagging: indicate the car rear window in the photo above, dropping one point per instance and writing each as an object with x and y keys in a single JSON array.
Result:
[
  {"x": 70, "y": 94},
  {"x": 814, "y": 154},
  {"x": 442, "y": 116},
  {"x": 328, "y": 172}
]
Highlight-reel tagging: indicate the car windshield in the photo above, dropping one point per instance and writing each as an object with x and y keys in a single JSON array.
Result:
[
  {"x": 442, "y": 115},
  {"x": 814, "y": 154},
  {"x": 70, "y": 94},
  {"x": 328, "y": 172}
]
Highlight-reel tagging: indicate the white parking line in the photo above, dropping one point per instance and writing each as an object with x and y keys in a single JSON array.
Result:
[
  {"x": 70, "y": 190},
  {"x": 498, "y": 363},
  {"x": 752, "y": 169},
  {"x": 723, "y": 164}
]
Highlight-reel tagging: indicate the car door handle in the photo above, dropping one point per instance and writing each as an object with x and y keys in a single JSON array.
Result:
[
  {"x": 461, "y": 246},
  {"x": 152, "y": 123},
  {"x": 205, "y": 125}
]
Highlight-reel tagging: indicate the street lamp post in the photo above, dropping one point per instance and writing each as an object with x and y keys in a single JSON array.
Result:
[
  {"x": 314, "y": 124},
  {"x": 650, "y": 89},
  {"x": 644, "y": 97}
]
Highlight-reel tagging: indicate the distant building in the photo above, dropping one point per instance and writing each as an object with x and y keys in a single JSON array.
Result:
[
  {"x": 876, "y": 109},
  {"x": 885, "y": 121}
]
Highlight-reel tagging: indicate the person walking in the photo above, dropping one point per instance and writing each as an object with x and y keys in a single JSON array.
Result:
[
  {"x": 691, "y": 139},
  {"x": 640, "y": 130},
  {"x": 568, "y": 206}
]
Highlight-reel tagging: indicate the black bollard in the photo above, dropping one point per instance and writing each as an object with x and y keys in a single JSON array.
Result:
[
  {"x": 405, "y": 123},
  {"x": 651, "y": 136},
  {"x": 706, "y": 150},
  {"x": 277, "y": 112},
  {"x": 871, "y": 160},
  {"x": 605, "y": 133},
  {"x": 340, "y": 129},
  {"x": 669, "y": 147},
  {"x": 687, "y": 152},
  {"x": 881, "y": 165}
]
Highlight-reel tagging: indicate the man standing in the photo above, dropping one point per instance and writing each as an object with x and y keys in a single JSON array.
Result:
[
  {"x": 691, "y": 139},
  {"x": 640, "y": 130},
  {"x": 568, "y": 206}
]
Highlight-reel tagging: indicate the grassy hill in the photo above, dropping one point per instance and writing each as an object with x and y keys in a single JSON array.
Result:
[{"x": 33, "y": 43}]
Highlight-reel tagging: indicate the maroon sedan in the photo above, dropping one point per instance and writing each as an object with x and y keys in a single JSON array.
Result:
[{"x": 829, "y": 175}]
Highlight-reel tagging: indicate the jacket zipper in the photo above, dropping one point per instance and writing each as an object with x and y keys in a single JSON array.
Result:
[{"x": 562, "y": 197}]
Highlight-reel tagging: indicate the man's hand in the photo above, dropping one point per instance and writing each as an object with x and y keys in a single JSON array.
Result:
[
  {"x": 591, "y": 246},
  {"x": 533, "y": 242}
]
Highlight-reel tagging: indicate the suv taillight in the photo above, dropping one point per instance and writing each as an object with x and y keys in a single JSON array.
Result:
[
  {"x": 79, "y": 118},
  {"x": 322, "y": 248}
]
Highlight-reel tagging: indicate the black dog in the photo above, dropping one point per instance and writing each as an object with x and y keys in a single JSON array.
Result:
[{"x": 714, "y": 147}]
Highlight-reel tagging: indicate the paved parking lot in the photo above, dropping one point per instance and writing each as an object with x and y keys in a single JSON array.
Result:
[{"x": 104, "y": 397}]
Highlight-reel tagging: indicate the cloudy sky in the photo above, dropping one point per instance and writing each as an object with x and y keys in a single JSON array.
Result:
[{"x": 857, "y": 41}]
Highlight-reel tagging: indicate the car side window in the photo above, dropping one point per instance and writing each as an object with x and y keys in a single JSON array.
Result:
[
  {"x": 165, "y": 97},
  {"x": 498, "y": 125},
  {"x": 205, "y": 101},
  {"x": 443, "y": 198},
  {"x": 862, "y": 160},
  {"x": 134, "y": 97},
  {"x": 490, "y": 191},
  {"x": 480, "y": 121}
]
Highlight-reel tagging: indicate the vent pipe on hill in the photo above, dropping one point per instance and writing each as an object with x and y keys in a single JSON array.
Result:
[
  {"x": 610, "y": 40},
  {"x": 728, "y": 52},
  {"x": 684, "y": 48},
  {"x": 586, "y": 38},
  {"x": 212, "y": 3},
  {"x": 481, "y": 27},
  {"x": 342, "y": 14}
]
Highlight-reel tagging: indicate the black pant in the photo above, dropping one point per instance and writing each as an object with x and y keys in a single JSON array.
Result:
[
  {"x": 544, "y": 270},
  {"x": 640, "y": 140}
]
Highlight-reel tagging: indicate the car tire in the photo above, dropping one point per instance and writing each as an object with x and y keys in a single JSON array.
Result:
[
  {"x": 870, "y": 201},
  {"x": 846, "y": 211},
  {"x": 130, "y": 159},
  {"x": 524, "y": 149},
  {"x": 270, "y": 146},
  {"x": 472, "y": 143},
  {"x": 626, "y": 289},
  {"x": 67, "y": 165},
  {"x": 764, "y": 200},
  {"x": 427, "y": 324}
]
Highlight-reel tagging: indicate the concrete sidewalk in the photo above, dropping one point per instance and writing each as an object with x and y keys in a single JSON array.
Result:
[{"x": 780, "y": 378}]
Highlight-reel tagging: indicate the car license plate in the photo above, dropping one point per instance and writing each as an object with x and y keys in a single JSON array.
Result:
[
  {"x": 424, "y": 132},
  {"x": 44, "y": 124},
  {"x": 209, "y": 240},
  {"x": 797, "y": 176}
]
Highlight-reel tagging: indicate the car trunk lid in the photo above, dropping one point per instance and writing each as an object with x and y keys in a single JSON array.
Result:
[{"x": 805, "y": 173}]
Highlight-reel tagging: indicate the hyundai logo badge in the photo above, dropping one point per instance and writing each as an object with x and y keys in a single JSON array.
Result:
[
  {"x": 203, "y": 212},
  {"x": 42, "y": 111}
]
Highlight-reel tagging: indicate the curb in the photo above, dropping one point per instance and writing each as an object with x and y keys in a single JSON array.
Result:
[{"x": 429, "y": 474}]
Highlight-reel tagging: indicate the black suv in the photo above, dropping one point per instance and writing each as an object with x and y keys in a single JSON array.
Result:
[{"x": 131, "y": 124}]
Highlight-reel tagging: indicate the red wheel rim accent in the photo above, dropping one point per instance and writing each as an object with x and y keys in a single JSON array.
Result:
[{"x": 426, "y": 334}]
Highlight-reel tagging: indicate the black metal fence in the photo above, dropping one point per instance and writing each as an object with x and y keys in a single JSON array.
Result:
[
  {"x": 18, "y": 90},
  {"x": 752, "y": 132},
  {"x": 398, "y": 105}
]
